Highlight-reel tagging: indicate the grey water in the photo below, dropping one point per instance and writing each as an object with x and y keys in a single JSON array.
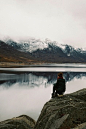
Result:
[{"x": 26, "y": 90}]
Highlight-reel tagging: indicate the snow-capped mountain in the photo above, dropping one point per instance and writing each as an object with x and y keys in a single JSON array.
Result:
[
  {"x": 10, "y": 54},
  {"x": 49, "y": 51}
]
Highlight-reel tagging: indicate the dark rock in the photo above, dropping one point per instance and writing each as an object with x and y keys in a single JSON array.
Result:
[
  {"x": 21, "y": 122},
  {"x": 67, "y": 112}
]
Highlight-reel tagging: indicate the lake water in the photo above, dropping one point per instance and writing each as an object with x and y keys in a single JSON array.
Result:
[{"x": 26, "y": 90}]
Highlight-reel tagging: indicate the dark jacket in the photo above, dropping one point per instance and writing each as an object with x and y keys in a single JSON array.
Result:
[{"x": 60, "y": 85}]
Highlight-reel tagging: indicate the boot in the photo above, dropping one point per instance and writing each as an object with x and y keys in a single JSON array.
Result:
[{"x": 53, "y": 95}]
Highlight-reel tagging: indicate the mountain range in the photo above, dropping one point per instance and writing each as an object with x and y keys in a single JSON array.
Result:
[{"x": 36, "y": 50}]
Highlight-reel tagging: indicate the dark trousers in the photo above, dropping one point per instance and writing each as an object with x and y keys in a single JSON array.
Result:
[{"x": 56, "y": 91}]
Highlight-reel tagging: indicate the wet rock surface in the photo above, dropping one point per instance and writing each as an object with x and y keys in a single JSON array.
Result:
[
  {"x": 21, "y": 122},
  {"x": 67, "y": 112}
]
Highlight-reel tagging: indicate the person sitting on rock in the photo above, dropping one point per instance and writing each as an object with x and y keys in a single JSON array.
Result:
[{"x": 59, "y": 87}]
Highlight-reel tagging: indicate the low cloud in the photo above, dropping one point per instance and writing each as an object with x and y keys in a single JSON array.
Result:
[{"x": 57, "y": 20}]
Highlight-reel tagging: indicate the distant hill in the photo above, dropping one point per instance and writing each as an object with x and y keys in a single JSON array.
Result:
[{"x": 11, "y": 54}]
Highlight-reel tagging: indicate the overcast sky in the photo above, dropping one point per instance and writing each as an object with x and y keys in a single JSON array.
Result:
[{"x": 58, "y": 20}]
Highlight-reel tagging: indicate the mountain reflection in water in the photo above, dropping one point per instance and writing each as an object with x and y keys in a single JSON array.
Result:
[
  {"x": 34, "y": 79},
  {"x": 26, "y": 93}
]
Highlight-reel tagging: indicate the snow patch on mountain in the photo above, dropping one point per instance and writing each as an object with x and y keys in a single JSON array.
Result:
[{"x": 32, "y": 44}]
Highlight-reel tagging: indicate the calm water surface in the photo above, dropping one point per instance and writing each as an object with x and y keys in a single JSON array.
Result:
[{"x": 26, "y": 92}]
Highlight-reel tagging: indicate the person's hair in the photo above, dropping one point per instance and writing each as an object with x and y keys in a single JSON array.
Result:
[{"x": 60, "y": 74}]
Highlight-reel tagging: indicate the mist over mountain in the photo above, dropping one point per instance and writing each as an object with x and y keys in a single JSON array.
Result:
[{"x": 37, "y": 50}]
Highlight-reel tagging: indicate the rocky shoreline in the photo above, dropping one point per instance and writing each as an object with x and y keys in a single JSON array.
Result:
[{"x": 67, "y": 112}]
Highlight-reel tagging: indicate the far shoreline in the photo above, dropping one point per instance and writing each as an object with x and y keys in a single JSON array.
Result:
[{"x": 37, "y": 64}]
